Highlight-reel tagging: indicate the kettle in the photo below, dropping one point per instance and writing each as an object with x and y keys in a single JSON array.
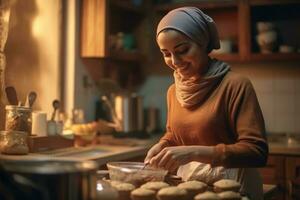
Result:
[{"x": 127, "y": 112}]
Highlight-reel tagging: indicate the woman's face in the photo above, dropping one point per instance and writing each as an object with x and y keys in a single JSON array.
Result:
[{"x": 182, "y": 54}]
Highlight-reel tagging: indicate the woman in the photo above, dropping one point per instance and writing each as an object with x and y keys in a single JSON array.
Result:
[{"x": 215, "y": 125}]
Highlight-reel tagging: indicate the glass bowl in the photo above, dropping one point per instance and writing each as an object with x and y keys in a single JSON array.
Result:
[{"x": 134, "y": 172}]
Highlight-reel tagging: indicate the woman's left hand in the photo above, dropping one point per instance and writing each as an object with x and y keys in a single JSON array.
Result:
[{"x": 170, "y": 158}]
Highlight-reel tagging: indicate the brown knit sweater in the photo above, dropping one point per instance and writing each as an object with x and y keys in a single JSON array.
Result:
[{"x": 230, "y": 119}]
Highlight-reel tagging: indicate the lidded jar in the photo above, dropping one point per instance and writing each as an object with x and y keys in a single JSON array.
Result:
[{"x": 18, "y": 118}]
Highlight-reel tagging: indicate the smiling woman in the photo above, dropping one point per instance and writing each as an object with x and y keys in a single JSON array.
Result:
[{"x": 215, "y": 125}]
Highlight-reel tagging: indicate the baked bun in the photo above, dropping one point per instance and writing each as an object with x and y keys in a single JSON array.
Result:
[
  {"x": 230, "y": 195},
  {"x": 226, "y": 185},
  {"x": 207, "y": 196},
  {"x": 172, "y": 193},
  {"x": 193, "y": 188},
  {"x": 142, "y": 194},
  {"x": 155, "y": 185}
]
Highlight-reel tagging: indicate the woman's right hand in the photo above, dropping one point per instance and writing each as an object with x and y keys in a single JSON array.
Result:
[{"x": 155, "y": 149}]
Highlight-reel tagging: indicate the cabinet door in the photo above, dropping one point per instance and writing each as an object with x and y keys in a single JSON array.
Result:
[
  {"x": 274, "y": 173},
  {"x": 110, "y": 29},
  {"x": 94, "y": 28}
]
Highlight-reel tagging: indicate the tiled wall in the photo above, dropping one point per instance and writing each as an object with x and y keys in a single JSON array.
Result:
[
  {"x": 277, "y": 86},
  {"x": 278, "y": 89}
]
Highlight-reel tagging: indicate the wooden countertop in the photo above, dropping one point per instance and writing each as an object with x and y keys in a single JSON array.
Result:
[
  {"x": 109, "y": 150},
  {"x": 282, "y": 148},
  {"x": 126, "y": 149}
]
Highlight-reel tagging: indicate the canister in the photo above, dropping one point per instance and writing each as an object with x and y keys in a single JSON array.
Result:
[{"x": 18, "y": 118}]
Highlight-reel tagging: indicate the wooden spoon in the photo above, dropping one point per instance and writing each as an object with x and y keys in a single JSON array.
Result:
[
  {"x": 11, "y": 95},
  {"x": 56, "y": 105},
  {"x": 30, "y": 99}
]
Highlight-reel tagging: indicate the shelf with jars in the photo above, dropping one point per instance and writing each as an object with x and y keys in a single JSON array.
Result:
[
  {"x": 109, "y": 29},
  {"x": 250, "y": 30}
]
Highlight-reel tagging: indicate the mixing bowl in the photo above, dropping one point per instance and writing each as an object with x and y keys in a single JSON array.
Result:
[{"x": 134, "y": 172}]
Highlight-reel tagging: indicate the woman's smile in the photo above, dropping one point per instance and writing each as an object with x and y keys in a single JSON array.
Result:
[{"x": 182, "y": 54}]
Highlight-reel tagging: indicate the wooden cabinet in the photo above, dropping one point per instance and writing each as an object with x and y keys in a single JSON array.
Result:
[
  {"x": 274, "y": 173},
  {"x": 292, "y": 165},
  {"x": 102, "y": 21},
  {"x": 281, "y": 170},
  {"x": 237, "y": 19}
]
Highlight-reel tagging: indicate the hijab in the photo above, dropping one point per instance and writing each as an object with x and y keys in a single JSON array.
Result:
[{"x": 200, "y": 28}]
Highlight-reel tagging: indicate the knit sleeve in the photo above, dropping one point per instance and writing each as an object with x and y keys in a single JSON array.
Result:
[
  {"x": 168, "y": 136},
  {"x": 247, "y": 124}
]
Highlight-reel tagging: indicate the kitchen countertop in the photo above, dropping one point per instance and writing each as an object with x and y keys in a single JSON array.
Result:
[
  {"x": 284, "y": 149},
  {"x": 102, "y": 153},
  {"x": 127, "y": 148}
]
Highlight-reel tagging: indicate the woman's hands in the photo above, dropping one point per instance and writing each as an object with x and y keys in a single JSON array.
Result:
[
  {"x": 170, "y": 158},
  {"x": 155, "y": 149}
]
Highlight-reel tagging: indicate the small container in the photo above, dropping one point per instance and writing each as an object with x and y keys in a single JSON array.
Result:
[
  {"x": 14, "y": 142},
  {"x": 59, "y": 127},
  {"x": 39, "y": 123},
  {"x": 18, "y": 118},
  {"x": 51, "y": 128}
]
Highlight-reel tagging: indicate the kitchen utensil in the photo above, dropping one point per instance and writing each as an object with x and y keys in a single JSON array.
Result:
[
  {"x": 145, "y": 165},
  {"x": 127, "y": 112},
  {"x": 112, "y": 112},
  {"x": 11, "y": 95},
  {"x": 30, "y": 99},
  {"x": 63, "y": 179},
  {"x": 56, "y": 105},
  {"x": 133, "y": 172}
]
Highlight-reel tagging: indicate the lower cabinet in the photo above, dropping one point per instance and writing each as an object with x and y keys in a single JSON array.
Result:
[
  {"x": 293, "y": 177},
  {"x": 282, "y": 171}
]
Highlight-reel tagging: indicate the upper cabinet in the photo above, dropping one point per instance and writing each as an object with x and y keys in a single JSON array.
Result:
[
  {"x": 110, "y": 28},
  {"x": 251, "y": 30}
]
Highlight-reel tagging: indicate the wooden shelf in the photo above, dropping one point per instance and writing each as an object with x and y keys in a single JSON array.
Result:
[
  {"x": 235, "y": 57},
  {"x": 203, "y": 5},
  {"x": 273, "y": 2},
  {"x": 229, "y": 57},
  {"x": 103, "y": 18},
  {"x": 274, "y": 57}
]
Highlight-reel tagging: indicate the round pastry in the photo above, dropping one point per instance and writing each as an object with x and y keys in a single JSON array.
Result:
[
  {"x": 226, "y": 185},
  {"x": 230, "y": 195},
  {"x": 113, "y": 183},
  {"x": 142, "y": 194},
  {"x": 155, "y": 185},
  {"x": 193, "y": 188},
  {"x": 172, "y": 193},
  {"x": 124, "y": 190},
  {"x": 207, "y": 196}
]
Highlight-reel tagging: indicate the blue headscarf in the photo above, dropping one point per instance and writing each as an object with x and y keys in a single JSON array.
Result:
[{"x": 192, "y": 22}]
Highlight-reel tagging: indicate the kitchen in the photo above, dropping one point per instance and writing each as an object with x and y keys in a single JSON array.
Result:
[{"x": 33, "y": 60}]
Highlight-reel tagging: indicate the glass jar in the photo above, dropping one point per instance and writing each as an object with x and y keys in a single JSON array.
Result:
[
  {"x": 14, "y": 142},
  {"x": 18, "y": 118}
]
